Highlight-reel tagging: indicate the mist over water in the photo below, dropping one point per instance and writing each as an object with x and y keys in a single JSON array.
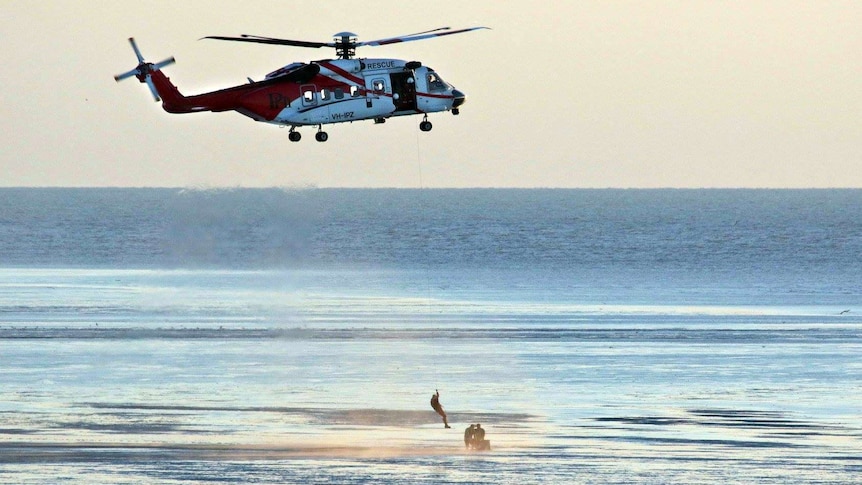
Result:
[
  {"x": 706, "y": 230},
  {"x": 612, "y": 336}
]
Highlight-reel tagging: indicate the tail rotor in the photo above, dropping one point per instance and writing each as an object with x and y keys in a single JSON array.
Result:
[{"x": 144, "y": 70}]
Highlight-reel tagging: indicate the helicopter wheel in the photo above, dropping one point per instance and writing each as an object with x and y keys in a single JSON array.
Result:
[
  {"x": 294, "y": 136},
  {"x": 321, "y": 136},
  {"x": 425, "y": 126}
]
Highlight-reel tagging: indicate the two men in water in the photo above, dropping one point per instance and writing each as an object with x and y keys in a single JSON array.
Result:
[{"x": 474, "y": 437}]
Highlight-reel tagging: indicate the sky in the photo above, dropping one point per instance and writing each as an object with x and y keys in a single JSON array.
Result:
[{"x": 629, "y": 94}]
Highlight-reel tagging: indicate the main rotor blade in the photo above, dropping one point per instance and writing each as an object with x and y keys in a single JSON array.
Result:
[
  {"x": 419, "y": 36},
  {"x": 269, "y": 40},
  {"x": 428, "y": 31}
]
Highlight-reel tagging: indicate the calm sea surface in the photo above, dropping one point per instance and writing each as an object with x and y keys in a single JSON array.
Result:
[{"x": 296, "y": 336}]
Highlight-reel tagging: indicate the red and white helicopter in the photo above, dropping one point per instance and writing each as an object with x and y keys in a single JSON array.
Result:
[{"x": 319, "y": 92}]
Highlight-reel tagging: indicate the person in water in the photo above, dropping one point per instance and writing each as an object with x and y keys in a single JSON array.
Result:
[
  {"x": 435, "y": 403},
  {"x": 478, "y": 436},
  {"x": 468, "y": 436}
]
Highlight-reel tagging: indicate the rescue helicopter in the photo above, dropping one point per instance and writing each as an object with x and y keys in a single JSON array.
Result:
[{"x": 320, "y": 92}]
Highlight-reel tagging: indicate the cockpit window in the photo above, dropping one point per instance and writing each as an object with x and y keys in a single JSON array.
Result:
[{"x": 435, "y": 83}]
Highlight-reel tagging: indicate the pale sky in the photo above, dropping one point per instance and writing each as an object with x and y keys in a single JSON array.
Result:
[{"x": 559, "y": 94}]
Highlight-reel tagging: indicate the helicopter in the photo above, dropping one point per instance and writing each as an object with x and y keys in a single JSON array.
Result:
[{"x": 322, "y": 92}]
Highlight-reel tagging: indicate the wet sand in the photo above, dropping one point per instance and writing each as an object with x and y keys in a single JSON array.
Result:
[{"x": 126, "y": 433}]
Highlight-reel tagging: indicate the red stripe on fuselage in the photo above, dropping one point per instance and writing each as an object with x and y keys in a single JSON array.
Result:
[{"x": 341, "y": 72}]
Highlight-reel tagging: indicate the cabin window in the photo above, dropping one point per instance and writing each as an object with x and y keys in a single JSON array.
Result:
[
  {"x": 309, "y": 96},
  {"x": 378, "y": 85},
  {"x": 325, "y": 94},
  {"x": 354, "y": 91},
  {"x": 339, "y": 93}
]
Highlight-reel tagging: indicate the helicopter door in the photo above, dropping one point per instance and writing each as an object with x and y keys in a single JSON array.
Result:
[{"x": 403, "y": 91}]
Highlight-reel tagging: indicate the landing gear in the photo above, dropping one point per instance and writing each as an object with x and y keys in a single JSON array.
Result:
[
  {"x": 321, "y": 135},
  {"x": 425, "y": 125}
]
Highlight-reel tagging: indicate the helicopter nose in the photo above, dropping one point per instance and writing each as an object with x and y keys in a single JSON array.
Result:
[{"x": 460, "y": 98}]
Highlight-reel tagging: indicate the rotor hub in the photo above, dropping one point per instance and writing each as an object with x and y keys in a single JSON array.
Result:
[{"x": 345, "y": 45}]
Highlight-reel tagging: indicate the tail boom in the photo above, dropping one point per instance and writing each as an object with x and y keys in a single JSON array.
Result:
[{"x": 247, "y": 99}]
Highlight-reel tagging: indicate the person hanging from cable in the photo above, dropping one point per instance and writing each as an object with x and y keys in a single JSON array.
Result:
[{"x": 435, "y": 404}]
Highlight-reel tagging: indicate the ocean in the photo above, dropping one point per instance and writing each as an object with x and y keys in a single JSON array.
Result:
[{"x": 297, "y": 335}]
